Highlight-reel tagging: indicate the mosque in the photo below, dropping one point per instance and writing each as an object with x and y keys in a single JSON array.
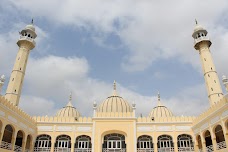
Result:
[{"x": 114, "y": 127}]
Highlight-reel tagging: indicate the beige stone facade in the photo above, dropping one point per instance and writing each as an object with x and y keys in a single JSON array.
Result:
[{"x": 114, "y": 127}]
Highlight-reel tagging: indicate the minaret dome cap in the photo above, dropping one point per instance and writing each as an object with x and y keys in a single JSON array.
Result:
[{"x": 198, "y": 28}]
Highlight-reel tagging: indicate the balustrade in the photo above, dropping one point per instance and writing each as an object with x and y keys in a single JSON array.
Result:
[
  {"x": 114, "y": 150},
  {"x": 209, "y": 148},
  {"x": 221, "y": 145},
  {"x": 145, "y": 150},
  {"x": 44, "y": 149},
  {"x": 82, "y": 150},
  {"x": 6, "y": 145},
  {"x": 17, "y": 148},
  {"x": 62, "y": 149},
  {"x": 166, "y": 149},
  {"x": 185, "y": 149}
]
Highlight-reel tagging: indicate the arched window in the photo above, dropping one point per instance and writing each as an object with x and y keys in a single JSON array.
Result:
[
  {"x": 83, "y": 143},
  {"x": 165, "y": 143},
  {"x": 43, "y": 143},
  {"x": 220, "y": 139},
  {"x": 7, "y": 137},
  {"x": 208, "y": 140},
  {"x": 63, "y": 142},
  {"x": 19, "y": 139},
  {"x": 144, "y": 142},
  {"x": 114, "y": 142},
  {"x": 185, "y": 143}
]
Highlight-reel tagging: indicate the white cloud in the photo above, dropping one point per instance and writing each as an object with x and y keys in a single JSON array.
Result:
[{"x": 152, "y": 30}]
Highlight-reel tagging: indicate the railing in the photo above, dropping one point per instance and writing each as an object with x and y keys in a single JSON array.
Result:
[
  {"x": 27, "y": 150},
  {"x": 201, "y": 38},
  {"x": 221, "y": 145},
  {"x": 43, "y": 149},
  {"x": 166, "y": 149},
  {"x": 27, "y": 38},
  {"x": 62, "y": 150},
  {"x": 209, "y": 148},
  {"x": 114, "y": 150},
  {"x": 186, "y": 149},
  {"x": 17, "y": 148},
  {"x": 6, "y": 145},
  {"x": 82, "y": 150},
  {"x": 145, "y": 150}
]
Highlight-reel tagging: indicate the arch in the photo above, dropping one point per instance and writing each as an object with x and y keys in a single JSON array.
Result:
[
  {"x": 114, "y": 141},
  {"x": 185, "y": 143},
  {"x": 7, "y": 137},
  {"x": 43, "y": 143},
  {"x": 220, "y": 139},
  {"x": 144, "y": 142},
  {"x": 165, "y": 143},
  {"x": 63, "y": 142},
  {"x": 208, "y": 140},
  {"x": 83, "y": 142},
  {"x": 28, "y": 142},
  {"x": 199, "y": 140},
  {"x": 19, "y": 140},
  {"x": 1, "y": 125}
]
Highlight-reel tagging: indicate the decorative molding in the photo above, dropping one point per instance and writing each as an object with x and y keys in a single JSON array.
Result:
[
  {"x": 145, "y": 129},
  {"x": 23, "y": 125},
  {"x": 44, "y": 128},
  {"x": 64, "y": 128},
  {"x": 225, "y": 114},
  {"x": 84, "y": 128},
  {"x": 12, "y": 119},
  {"x": 214, "y": 120},
  {"x": 204, "y": 126},
  {"x": 2, "y": 113},
  {"x": 183, "y": 128},
  {"x": 31, "y": 130},
  {"x": 164, "y": 128}
]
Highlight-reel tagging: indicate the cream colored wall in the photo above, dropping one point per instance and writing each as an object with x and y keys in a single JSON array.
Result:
[
  {"x": 14, "y": 88},
  {"x": 210, "y": 75}
]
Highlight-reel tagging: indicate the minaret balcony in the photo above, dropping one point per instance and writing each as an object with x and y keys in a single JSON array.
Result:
[
  {"x": 203, "y": 38},
  {"x": 28, "y": 39}
]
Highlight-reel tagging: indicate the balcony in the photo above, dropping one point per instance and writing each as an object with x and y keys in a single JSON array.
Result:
[
  {"x": 62, "y": 149},
  {"x": 28, "y": 39},
  {"x": 145, "y": 150},
  {"x": 168, "y": 149},
  {"x": 44, "y": 149},
  {"x": 82, "y": 150},
  {"x": 6, "y": 145},
  {"x": 185, "y": 149}
]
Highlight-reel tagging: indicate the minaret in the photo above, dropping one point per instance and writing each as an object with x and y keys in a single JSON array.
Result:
[
  {"x": 202, "y": 43},
  {"x": 225, "y": 82},
  {"x": 2, "y": 80},
  {"x": 26, "y": 43}
]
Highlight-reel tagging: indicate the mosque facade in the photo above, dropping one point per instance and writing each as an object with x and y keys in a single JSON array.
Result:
[{"x": 114, "y": 126}]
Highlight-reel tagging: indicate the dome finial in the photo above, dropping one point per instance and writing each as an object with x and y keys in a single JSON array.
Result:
[
  {"x": 159, "y": 99},
  {"x": 114, "y": 88},
  {"x": 196, "y": 21},
  {"x": 70, "y": 99},
  {"x": 32, "y": 21}
]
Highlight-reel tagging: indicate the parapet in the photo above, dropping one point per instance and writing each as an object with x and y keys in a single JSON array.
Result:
[
  {"x": 174, "y": 119},
  {"x": 62, "y": 119}
]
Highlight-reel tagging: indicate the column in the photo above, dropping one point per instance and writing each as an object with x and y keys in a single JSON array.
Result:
[
  {"x": 72, "y": 143},
  {"x": 24, "y": 142},
  {"x": 155, "y": 145},
  {"x": 213, "y": 138},
  {"x": 2, "y": 132},
  {"x": 32, "y": 143},
  {"x": 203, "y": 142},
  {"x": 225, "y": 132},
  {"x": 13, "y": 140},
  {"x": 52, "y": 144},
  {"x": 175, "y": 146},
  {"x": 196, "y": 145}
]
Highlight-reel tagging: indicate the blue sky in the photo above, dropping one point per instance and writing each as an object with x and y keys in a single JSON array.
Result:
[{"x": 83, "y": 46}]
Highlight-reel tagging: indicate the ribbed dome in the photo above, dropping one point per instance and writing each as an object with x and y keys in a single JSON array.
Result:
[
  {"x": 160, "y": 110},
  {"x": 198, "y": 28},
  {"x": 68, "y": 111},
  {"x": 31, "y": 27},
  {"x": 114, "y": 103}
]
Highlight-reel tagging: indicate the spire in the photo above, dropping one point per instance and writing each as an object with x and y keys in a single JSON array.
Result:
[
  {"x": 70, "y": 99},
  {"x": 32, "y": 21},
  {"x": 159, "y": 99},
  {"x": 196, "y": 21},
  {"x": 114, "y": 88}
]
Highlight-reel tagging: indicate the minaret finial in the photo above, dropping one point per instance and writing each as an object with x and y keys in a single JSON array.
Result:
[
  {"x": 196, "y": 21},
  {"x": 114, "y": 88},
  {"x": 159, "y": 99},
  {"x": 32, "y": 21},
  {"x": 70, "y": 100}
]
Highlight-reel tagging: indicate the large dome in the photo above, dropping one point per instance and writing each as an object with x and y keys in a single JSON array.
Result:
[
  {"x": 114, "y": 103},
  {"x": 160, "y": 110},
  {"x": 68, "y": 111}
]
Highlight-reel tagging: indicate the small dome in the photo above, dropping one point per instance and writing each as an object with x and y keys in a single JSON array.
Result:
[
  {"x": 198, "y": 28},
  {"x": 114, "y": 103},
  {"x": 160, "y": 110},
  {"x": 68, "y": 111},
  {"x": 30, "y": 27}
]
